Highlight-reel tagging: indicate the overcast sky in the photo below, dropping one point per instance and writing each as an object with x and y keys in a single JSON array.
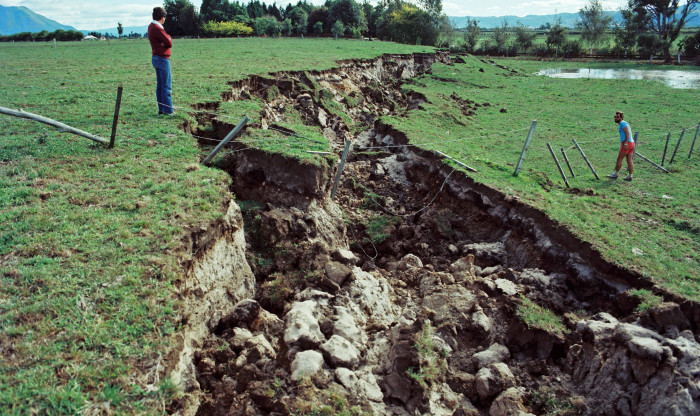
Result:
[{"x": 103, "y": 14}]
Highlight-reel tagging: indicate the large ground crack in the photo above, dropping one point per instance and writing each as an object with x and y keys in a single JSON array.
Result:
[{"x": 418, "y": 290}]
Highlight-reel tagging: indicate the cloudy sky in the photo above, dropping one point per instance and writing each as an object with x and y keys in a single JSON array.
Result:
[{"x": 103, "y": 14}]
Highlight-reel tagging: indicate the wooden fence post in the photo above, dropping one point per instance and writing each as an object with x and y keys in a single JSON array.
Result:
[
  {"x": 116, "y": 116},
  {"x": 636, "y": 135},
  {"x": 227, "y": 139},
  {"x": 525, "y": 147},
  {"x": 340, "y": 168},
  {"x": 566, "y": 158},
  {"x": 694, "y": 138},
  {"x": 663, "y": 158},
  {"x": 586, "y": 159},
  {"x": 673, "y": 156},
  {"x": 558, "y": 166}
]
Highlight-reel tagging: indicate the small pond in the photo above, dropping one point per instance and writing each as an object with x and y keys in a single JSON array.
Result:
[{"x": 672, "y": 78}]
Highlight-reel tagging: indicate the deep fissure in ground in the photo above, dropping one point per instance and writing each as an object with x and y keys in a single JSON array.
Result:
[{"x": 417, "y": 290}]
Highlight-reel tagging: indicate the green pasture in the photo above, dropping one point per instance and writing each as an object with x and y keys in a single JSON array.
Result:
[{"x": 91, "y": 238}]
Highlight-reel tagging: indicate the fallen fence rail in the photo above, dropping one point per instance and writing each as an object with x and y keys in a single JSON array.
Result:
[{"x": 60, "y": 126}]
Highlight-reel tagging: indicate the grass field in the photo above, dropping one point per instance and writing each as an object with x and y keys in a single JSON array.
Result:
[
  {"x": 91, "y": 237},
  {"x": 656, "y": 214}
]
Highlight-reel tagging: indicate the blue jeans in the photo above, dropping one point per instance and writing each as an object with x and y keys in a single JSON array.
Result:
[{"x": 164, "y": 84}]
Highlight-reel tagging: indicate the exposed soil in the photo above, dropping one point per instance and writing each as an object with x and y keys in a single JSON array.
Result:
[{"x": 408, "y": 292}]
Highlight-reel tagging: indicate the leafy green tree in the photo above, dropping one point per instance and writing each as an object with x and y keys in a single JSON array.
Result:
[
  {"x": 287, "y": 27},
  {"x": 255, "y": 9},
  {"x": 665, "y": 19},
  {"x": 120, "y": 29},
  {"x": 338, "y": 29},
  {"x": 471, "y": 34},
  {"x": 594, "y": 22},
  {"x": 299, "y": 19},
  {"x": 318, "y": 28},
  {"x": 274, "y": 12},
  {"x": 183, "y": 19},
  {"x": 556, "y": 37},
  {"x": 625, "y": 34},
  {"x": 411, "y": 25},
  {"x": 319, "y": 15},
  {"x": 433, "y": 7},
  {"x": 690, "y": 46},
  {"x": 501, "y": 36},
  {"x": 348, "y": 12},
  {"x": 213, "y": 10},
  {"x": 524, "y": 37}
]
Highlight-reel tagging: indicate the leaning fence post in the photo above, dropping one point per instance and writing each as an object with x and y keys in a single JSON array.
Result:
[
  {"x": 340, "y": 168},
  {"x": 558, "y": 165},
  {"x": 586, "y": 159},
  {"x": 677, "y": 145},
  {"x": 658, "y": 166},
  {"x": 525, "y": 147},
  {"x": 116, "y": 116},
  {"x": 566, "y": 158},
  {"x": 663, "y": 158},
  {"x": 694, "y": 138},
  {"x": 227, "y": 139}
]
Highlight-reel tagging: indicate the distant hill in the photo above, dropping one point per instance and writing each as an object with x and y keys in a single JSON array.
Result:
[
  {"x": 114, "y": 32},
  {"x": 19, "y": 19},
  {"x": 534, "y": 21}
]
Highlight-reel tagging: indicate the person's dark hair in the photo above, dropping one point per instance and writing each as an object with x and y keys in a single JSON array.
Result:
[
  {"x": 158, "y": 13},
  {"x": 619, "y": 113}
]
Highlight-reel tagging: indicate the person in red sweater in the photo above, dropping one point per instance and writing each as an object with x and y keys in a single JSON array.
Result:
[{"x": 160, "y": 49}]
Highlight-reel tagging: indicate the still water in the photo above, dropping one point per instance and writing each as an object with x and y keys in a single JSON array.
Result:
[{"x": 672, "y": 78}]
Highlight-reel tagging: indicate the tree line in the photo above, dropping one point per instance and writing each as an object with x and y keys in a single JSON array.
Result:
[
  {"x": 59, "y": 35},
  {"x": 397, "y": 20},
  {"x": 649, "y": 28}
]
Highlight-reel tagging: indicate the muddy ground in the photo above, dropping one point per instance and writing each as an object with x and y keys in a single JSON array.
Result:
[{"x": 414, "y": 290}]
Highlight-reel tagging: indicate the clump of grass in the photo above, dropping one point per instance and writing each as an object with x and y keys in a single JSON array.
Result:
[
  {"x": 279, "y": 290},
  {"x": 647, "y": 299},
  {"x": 547, "y": 400},
  {"x": 431, "y": 360},
  {"x": 535, "y": 316},
  {"x": 377, "y": 228}
]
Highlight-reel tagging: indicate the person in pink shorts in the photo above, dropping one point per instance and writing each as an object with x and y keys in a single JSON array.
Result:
[{"x": 626, "y": 147}]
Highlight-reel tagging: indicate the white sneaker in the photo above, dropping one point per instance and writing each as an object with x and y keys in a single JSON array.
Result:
[
  {"x": 627, "y": 178},
  {"x": 613, "y": 175}
]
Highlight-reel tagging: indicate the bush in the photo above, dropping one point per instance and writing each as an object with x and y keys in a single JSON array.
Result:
[
  {"x": 225, "y": 29},
  {"x": 571, "y": 49},
  {"x": 690, "y": 46}
]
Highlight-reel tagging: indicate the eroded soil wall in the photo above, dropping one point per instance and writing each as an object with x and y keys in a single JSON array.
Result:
[{"x": 416, "y": 290}]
